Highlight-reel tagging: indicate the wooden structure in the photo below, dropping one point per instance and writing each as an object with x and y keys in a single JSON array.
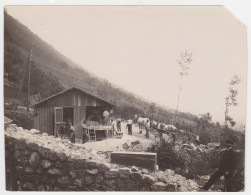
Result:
[
  {"x": 72, "y": 105},
  {"x": 140, "y": 159}
]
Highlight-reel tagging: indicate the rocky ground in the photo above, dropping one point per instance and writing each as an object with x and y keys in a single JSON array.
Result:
[{"x": 91, "y": 150}]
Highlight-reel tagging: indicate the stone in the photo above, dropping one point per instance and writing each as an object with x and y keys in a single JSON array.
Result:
[
  {"x": 41, "y": 188},
  {"x": 34, "y": 131},
  {"x": 45, "y": 164},
  {"x": 35, "y": 159},
  {"x": 88, "y": 180},
  {"x": 19, "y": 144},
  {"x": 124, "y": 185},
  {"x": 53, "y": 156},
  {"x": 159, "y": 186},
  {"x": 80, "y": 164},
  {"x": 91, "y": 164},
  {"x": 144, "y": 171},
  {"x": 148, "y": 179},
  {"x": 54, "y": 171},
  {"x": 78, "y": 182},
  {"x": 28, "y": 186},
  {"x": 44, "y": 152},
  {"x": 136, "y": 176},
  {"x": 73, "y": 174},
  {"x": 32, "y": 146},
  {"x": 99, "y": 179},
  {"x": 92, "y": 171},
  {"x": 160, "y": 176},
  {"x": 64, "y": 180},
  {"x": 39, "y": 170},
  {"x": 61, "y": 156},
  {"x": 44, "y": 134},
  {"x": 17, "y": 154},
  {"x": 111, "y": 183},
  {"x": 29, "y": 170},
  {"x": 124, "y": 173},
  {"x": 111, "y": 174},
  {"x": 171, "y": 187},
  {"x": 135, "y": 169},
  {"x": 104, "y": 167}
]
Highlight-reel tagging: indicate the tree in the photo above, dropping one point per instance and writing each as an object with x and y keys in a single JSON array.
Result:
[
  {"x": 184, "y": 61},
  {"x": 152, "y": 110},
  {"x": 230, "y": 100}
]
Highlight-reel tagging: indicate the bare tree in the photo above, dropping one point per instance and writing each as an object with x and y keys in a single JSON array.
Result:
[
  {"x": 184, "y": 61},
  {"x": 230, "y": 100}
]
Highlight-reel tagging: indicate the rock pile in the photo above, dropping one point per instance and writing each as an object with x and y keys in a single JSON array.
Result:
[{"x": 38, "y": 162}]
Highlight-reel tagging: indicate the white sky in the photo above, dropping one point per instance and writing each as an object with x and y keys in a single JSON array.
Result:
[{"x": 137, "y": 48}]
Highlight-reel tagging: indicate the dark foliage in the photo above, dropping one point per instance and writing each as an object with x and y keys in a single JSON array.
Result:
[
  {"x": 167, "y": 157},
  {"x": 21, "y": 118}
]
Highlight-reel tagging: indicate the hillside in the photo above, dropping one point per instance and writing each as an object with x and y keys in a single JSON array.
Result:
[{"x": 52, "y": 72}]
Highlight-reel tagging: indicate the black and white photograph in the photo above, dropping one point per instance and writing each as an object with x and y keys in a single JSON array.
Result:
[{"x": 139, "y": 98}]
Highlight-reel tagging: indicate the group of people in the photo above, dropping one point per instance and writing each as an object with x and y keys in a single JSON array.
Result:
[{"x": 67, "y": 129}]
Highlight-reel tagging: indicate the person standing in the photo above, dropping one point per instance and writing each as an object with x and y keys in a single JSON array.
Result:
[
  {"x": 85, "y": 133},
  {"x": 147, "y": 126},
  {"x": 129, "y": 126},
  {"x": 225, "y": 168},
  {"x": 119, "y": 124},
  {"x": 72, "y": 133},
  {"x": 62, "y": 130}
]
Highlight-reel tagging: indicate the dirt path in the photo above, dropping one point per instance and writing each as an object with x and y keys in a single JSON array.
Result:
[{"x": 116, "y": 144}]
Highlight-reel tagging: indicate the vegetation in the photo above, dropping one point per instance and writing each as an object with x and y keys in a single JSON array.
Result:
[
  {"x": 52, "y": 72},
  {"x": 21, "y": 118}
]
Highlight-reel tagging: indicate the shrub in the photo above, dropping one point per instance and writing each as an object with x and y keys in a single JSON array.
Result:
[
  {"x": 167, "y": 157},
  {"x": 21, "y": 118}
]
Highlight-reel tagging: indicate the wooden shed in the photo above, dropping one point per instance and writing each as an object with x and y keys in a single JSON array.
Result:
[{"x": 74, "y": 105}]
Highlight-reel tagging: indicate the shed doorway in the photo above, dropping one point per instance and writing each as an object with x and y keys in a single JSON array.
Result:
[
  {"x": 68, "y": 115},
  {"x": 62, "y": 114}
]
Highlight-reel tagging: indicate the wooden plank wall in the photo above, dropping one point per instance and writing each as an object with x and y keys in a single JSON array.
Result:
[
  {"x": 79, "y": 113},
  {"x": 73, "y": 98}
]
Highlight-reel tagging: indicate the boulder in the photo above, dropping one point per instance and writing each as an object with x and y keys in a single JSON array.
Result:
[
  {"x": 73, "y": 174},
  {"x": 111, "y": 183},
  {"x": 104, "y": 167},
  {"x": 135, "y": 169},
  {"x": 88, "y": 180},
  {"x": 34, "y": 131},
  {"x": 148, "y": 179},
  {"x": 54, "y": 171},
  {"x": 34, "y": 159},
  {"x": 171, "y": 187},
  {"x": 137, "y": 176},
  {"x": 159, "y": 186},
  {"x": 124, "y": 173},
  {"x": 111, "y": 174},
  {"x": 92, "y": 171},
  {"x": 45, "y": 164}
]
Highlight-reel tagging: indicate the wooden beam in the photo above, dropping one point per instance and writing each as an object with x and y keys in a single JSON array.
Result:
[{"x": 139, "y": 159}]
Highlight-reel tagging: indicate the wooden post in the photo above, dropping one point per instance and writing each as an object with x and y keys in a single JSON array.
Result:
[{"x": 28, "y": 95}]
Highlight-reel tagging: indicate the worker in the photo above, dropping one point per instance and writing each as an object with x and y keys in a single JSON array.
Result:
[
  {"x": 129, "y": 126},
  {"x": 106, "y": 115},
  {"x": 114, "y": 126},
  {"x": 119, "y": 124},
  {"x": 72, "y": 133},
  {"x": 147, "y": 129},
  {"x": 85, "y": 132},
  {"x": 62, "y": 130},
  {"x": 226, "y": 167}
]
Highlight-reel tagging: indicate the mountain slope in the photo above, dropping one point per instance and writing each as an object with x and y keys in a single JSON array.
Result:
[{"x": 52, "y": 72}]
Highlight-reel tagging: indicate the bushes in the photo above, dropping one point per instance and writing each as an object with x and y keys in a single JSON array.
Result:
[
  {"x": 167, "y": 157},
  {"x": 21, "y": 118}
]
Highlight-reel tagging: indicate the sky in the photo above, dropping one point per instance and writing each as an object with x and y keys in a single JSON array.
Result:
[{"x": 137, "y": 48}]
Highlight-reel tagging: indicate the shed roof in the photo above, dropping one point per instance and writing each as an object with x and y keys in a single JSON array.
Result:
[{"x": 69, "y": 89}]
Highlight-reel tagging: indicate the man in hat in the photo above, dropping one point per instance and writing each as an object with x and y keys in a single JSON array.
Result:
[
  {"x": 226, "y": 167},
  {"x": 62, "y": 130}
]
